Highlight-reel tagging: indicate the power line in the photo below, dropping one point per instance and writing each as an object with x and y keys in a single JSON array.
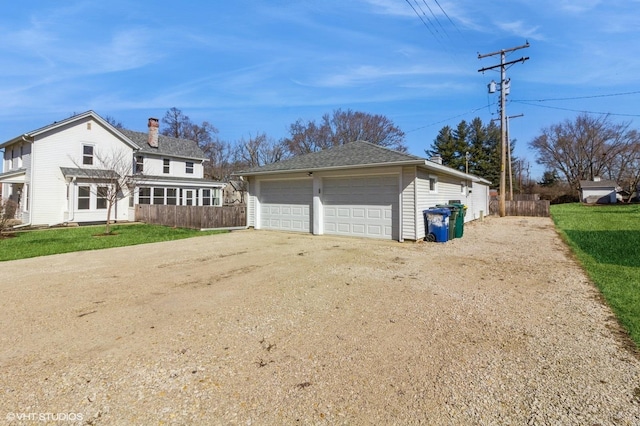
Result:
[
  {"x": 435, "y": 17},
  {"x": 445, "y": 14},
  {"x": 577, "y": 110},
  {"x": 578, "y": 97},
  {"x": 451, "y": 118},
  {"x": 425, "y": 24}
]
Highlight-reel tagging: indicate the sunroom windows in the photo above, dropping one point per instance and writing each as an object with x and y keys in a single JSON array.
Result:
[{"x": 179, "y": 196}]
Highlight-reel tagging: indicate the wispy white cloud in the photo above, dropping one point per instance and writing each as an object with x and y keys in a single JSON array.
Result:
[
  {"x": 390, "y": 7},
  {"x": 127, "y": 49},
  {"x": 358, "y": 75},
  {"x": 521, "y": 29},
  {"x": 577, "y": 6}
]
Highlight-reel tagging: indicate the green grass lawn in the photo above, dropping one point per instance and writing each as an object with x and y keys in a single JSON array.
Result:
[
  {"x": 606, "y": 240},
  {"x": 54, "y": 241}
]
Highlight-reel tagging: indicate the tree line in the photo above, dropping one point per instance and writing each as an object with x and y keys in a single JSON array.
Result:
[
  {"x": 571, "y": 151},
  {"x": 337, "y": 128},
  {"x": 588, "y": 147}
]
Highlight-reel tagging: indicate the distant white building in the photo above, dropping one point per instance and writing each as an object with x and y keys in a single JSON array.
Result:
[
  {"x": 598, "y": 191},
  {"x": 48, "y": 171}
]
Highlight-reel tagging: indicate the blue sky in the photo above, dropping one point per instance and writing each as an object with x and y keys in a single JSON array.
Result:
[{"x": 257, "y": 66}]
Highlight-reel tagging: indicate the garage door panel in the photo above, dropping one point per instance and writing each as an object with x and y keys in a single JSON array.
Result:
[
  {"x": 361, "y": 206},
  {"x": 376, "y": 213},
  {"x": 286, "y": 205},
  {"x": 375, "y": 230}
]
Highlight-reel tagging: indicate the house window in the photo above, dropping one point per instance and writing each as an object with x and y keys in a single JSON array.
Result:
[
  {"x": 101, "y": 200},
  {"x": 211, "y": 197},
  {"x": 139, "y": 163},
  {"x": 189, "y": 167},
  {"x": 84, "y": 197},
  {"x": 158, "y": 195},
  {"x": 144, "y": 196},
  {"x": 172, "y": 196},
  {"x": 166, "y": 164},
  {"x": 87, "y": 155},
  {"x": 433, "y": 184}
]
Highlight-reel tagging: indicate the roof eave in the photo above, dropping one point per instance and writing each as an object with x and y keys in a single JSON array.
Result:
[
  {"x": 448, "y": 170},
  {"x": 30, "y": 137},
  {"x": 22, "y": 138},
  {"x": 331, "y": 168}
]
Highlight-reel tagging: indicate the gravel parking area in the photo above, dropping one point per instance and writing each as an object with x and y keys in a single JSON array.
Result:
[{"x": 256, "y": 327}]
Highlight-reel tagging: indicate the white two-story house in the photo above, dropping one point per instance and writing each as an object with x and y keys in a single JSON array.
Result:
[{"x": 52, "y": 173}]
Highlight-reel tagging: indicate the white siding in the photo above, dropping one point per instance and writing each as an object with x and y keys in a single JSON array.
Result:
[
  {"x": 251, "y": 202},
  {"x": 605, "y": 195},
  {"x": 409, "y": 213},
  {"x": 63, "y": 148},
  {"x": 478, "y": 201},
  {"x": 448, "y": 188},
  {"x": 424, "y": 200},
  {"x": 154, "y": 166}
]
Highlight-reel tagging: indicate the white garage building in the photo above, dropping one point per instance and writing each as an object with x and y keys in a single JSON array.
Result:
[{"x": 358, "y": 189}]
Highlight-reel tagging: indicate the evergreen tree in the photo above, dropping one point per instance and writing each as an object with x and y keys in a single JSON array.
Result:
[
  {"x": 451, "y": 145},
  {"x": 481, "y": 142},
  {"x": 549, "y": 178}
]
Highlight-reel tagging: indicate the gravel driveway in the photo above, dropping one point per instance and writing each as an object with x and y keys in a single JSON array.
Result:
[{"x": 257, "y": 327}]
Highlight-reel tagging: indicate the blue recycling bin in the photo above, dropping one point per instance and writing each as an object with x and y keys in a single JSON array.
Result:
[{"x": 436, "y": 223}]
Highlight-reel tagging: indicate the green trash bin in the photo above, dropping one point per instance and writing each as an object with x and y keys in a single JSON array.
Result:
[
  {"x": 453, "y": 219},
  {"x": 459, "y": 224}
]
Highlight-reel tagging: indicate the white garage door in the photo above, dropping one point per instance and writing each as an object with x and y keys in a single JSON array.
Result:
[
  {"x": 286, "y": 205},
  {"x": 361, "y": 206}
]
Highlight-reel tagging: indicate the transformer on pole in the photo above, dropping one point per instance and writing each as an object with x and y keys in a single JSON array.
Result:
[{"x": 504, "y": 87}]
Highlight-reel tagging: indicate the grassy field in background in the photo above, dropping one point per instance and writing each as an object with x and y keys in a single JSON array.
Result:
[
  {"x": 53, "y": 241},
  {"x": 606, "y": 240}
]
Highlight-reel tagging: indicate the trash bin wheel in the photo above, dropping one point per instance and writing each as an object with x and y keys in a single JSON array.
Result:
[{"x": 430, "y": 237}]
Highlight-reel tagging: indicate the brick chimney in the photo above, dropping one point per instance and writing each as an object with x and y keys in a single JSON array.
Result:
[{"x": 153, "y": 132}]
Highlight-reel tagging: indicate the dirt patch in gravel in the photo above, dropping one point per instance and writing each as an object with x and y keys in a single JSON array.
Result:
[{"x": 498, "y": 327}]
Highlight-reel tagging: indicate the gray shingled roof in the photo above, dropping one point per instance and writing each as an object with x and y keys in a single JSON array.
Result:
[
  {"x": 89, "y": 173},
  {"x": 598, "y": 184},
  {"x": 166, "y": 145},
  {"x": 357, "y": 153}
]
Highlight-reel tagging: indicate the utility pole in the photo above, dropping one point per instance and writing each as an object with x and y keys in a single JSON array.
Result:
[
  {"x": 509, "y": 155},
  {"x": 503, "y": 115}
]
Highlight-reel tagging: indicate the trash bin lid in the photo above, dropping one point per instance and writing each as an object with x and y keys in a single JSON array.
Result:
[
  {"x": 449, "y": 206},
  {"x": 442, "y": 211}
]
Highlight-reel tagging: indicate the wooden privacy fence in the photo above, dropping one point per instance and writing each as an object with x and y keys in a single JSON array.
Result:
[
  {"x": 539, "y": 208},
  {"x": 194, "y": 217}
]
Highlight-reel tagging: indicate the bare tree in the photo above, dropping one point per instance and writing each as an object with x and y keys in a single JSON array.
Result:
[
  {"x": 343, "y": 127},
  {"x": 585, "y": 148},
  {"x": 112, "y": 179},
  {"x": 177, "y": 124},
  {"x": 115, "y": 123},
  {"x": 627, "y": 166},
  {"x": 259, "y": 150},
  {"x": 221, "y": 160}
]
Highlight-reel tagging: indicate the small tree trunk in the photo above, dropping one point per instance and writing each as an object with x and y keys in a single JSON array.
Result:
[{"x": 107, "y": 228}]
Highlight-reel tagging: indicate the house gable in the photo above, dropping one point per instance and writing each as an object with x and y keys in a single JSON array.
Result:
[{"x": 53, "y": 172}]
